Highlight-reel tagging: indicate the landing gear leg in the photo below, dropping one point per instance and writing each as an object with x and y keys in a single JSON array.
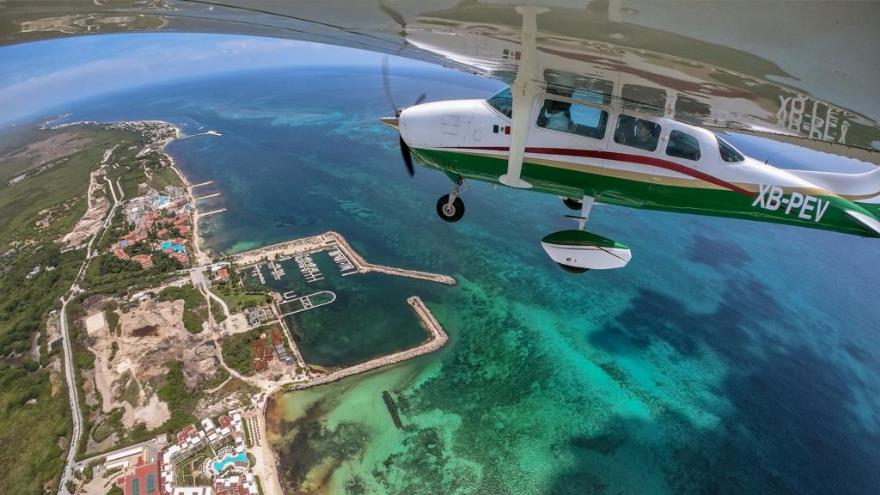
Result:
[
  {"x": 586, "y": 207},
  {"x": 450, "y": 207}
]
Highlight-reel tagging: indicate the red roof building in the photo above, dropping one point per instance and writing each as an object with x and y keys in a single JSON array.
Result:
[
  {"x": 144, "y": 259},
  {"x": 120, "y": 253}
]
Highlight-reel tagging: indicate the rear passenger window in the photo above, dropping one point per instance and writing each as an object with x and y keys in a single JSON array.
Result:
[
  {"x": 682, "y": 145},
  {"x": 636, "y": 132},
  {"x": 573, "y": 118}
]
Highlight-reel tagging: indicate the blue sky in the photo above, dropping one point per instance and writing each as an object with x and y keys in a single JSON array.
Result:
[{"x": 37, "y": 76}]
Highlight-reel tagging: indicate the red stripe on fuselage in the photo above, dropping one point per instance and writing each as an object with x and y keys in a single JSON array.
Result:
[{"x": 625, "y": 157}]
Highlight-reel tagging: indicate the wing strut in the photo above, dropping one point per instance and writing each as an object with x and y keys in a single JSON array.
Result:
[{"x": 525, "y": 89}]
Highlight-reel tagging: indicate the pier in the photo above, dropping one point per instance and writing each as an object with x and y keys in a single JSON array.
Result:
[
  {"x": 200, "y": 184},
  {"x": 306, "y": 302},
  {"x": 212, "y": 212},
  {"x": 213, "y": 195}
]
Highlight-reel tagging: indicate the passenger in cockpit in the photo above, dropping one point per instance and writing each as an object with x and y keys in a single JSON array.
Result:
[{"x": 643, "y": 137}]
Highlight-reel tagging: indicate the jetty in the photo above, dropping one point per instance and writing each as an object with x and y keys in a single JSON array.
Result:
[
  {"x": 438, "y": 339},
  {"x": 212, "y": 212},
  {"x": 212, "y": 195}
]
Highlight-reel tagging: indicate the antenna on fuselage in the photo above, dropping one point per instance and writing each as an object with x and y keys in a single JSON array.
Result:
[{"x": 524, "y": 90}]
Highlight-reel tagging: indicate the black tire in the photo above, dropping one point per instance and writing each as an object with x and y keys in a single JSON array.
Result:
[
  {"x": 450, "y": 213},
  {"x": 572, "y": 204},
  {"x": 573, "y": 269}
]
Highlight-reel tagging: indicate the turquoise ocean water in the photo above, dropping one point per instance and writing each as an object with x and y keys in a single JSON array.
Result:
[{"x": 728, "y": 357}]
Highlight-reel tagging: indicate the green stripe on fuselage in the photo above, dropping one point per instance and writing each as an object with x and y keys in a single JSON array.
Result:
[{"x": 638, "y": 194}]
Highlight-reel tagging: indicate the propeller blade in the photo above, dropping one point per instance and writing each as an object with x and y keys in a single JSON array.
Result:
[
  {"x": 420, "y": 99},
  {"x": 387, "y": 85},
  {"x": 407, "y": 157}
]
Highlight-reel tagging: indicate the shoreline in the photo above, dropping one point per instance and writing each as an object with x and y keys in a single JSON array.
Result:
[
  {"x": 437, "y": 338},
  {"x": 158, "y": 135},
  {"x": 158, "y": 144}
]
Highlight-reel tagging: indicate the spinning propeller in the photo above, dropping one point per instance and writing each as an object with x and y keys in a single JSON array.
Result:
[{"x": 404, "y": 149}]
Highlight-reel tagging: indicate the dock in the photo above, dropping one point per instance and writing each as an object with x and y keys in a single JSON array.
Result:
[
  {"x": 200, "y": 184},
  {"x": 214, "y": 195},
  {"x": 212, "y": 212}
]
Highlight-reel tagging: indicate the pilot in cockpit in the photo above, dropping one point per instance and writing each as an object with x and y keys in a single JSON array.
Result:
[{"x": 557, "y": 115}]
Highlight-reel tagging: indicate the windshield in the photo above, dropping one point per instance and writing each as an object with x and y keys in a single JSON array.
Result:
[
  {"x": 502, "y": 101},
  {"x": 728, "y": 152}
]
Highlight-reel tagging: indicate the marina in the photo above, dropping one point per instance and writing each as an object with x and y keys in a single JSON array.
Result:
[{"x": 306, "y": 275}]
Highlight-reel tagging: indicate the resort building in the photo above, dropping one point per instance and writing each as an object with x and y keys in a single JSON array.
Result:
[
  {"x": 193, "y": 490},
  {"x": 227, "y": 463}
]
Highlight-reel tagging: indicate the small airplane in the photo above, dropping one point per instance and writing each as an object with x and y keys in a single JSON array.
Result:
[
  {"x": 586, "y": 149},
  {"x": 598, "y": 100}
]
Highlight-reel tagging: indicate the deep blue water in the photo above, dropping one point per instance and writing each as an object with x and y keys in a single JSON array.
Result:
[{"x": 728, "y": 357}]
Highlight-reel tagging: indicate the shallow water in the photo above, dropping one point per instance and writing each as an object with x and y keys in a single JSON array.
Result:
[{"x": 728, "y": 357}]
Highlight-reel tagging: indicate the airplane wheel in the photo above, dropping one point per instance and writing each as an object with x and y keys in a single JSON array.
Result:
[
  {"x": 573, "y": 269},
  {"x": 450, "y": 212},
  {"x": 572, "y": 204}
]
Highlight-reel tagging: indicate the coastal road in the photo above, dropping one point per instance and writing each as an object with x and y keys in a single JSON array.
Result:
[
  {"x": 67, "y": 473},
  {"x": 69, "y": 370}
]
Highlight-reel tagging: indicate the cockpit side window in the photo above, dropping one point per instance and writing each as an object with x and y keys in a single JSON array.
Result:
[
  {"x": 502, "y": 101},
  {"x": 728, "y": 153},
  {"x": 573, "y": 118},
  {"x": 636, "y": 132},
  {"x": 683, "y": 145}
]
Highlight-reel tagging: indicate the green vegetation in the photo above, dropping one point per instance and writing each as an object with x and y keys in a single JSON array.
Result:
[
  {"x": 115, "y": 490},
  {"x": 32, "y": 422},
  {"x": 248, "y": 442},
  {"x": 112, "y": 316},
  {"x": 219, "y": 377},
  {"x": 237, "y": 298},
  {"x": 195, "y": 309},
  {"x": 114, "y": 232},
  {"x": 217, "y": 311},
  {"x": 165, "y": 176},
  {"x": 27, "y": 299},
  {"x": 238, "y": 353},
  {"x": 114, "y": 348},
  {"x": 180, "y": 401},
  {"x": 107, "y": 274},
  {"x": 52, "y": 189},
  {"x": 112, "y": 423},
  {"x": 184, "y": 470},
  {"x": 163, "y": 263}
]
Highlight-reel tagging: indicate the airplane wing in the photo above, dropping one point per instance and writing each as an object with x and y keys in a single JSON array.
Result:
[{"x": 805, "y": 71}]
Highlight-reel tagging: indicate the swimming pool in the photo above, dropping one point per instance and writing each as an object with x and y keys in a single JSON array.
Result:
[{"x": 220, "y": 465}]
